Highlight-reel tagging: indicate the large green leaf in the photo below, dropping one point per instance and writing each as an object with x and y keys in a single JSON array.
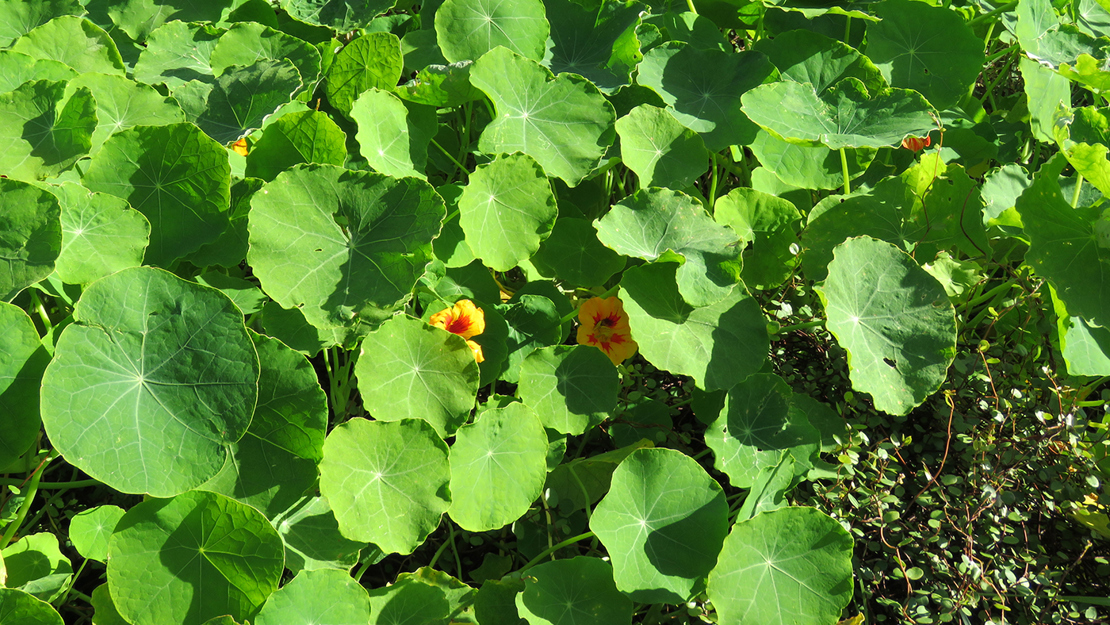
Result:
[
  {"x": 759, "y": 424},
  {"x": 787, "y": 567},
  {"x": 36, "y": 565},
  {"x": 192, "y": 558},
  {"x": 17, "y": 606},
  {"x": 717, "y": 345},
  {"x": 101, "y": 234},
  {"x": 340, "y": 15},
  {"x": 18, "y": 17},
  {"x": 841, "y": 117},
  {"x": 90, "y": 530},
  {"x": 30, "y": 220},
  {"x": 574, "y": 254},
  {"x": 244, "y": 95},
  {"x": 417, "y": 371},
  {"x": 661, "y": 151},
  {"x": 770, "y": 223},
  {"x": 22, "y": 361},
  {"x": 312, "y": 539},
  {"x": 140, "y": 19},
  {"x": 571, "y": 388},
  {"x": 1084, "y": 346},
  {"x": 75, "y": 41},
  {"x": 468, "y": 29},
  {"x": 393, "y": 135},
  {"x": 598, "y": 44},
  {"x": 1065, "y": 247},
  {"x": 177, "y": 53},
  {"x": 372, "y": 60},
  {"x": 893, "y": 318},
  {"x": 533, "y": 323},
  {"x": 123, "y": 104},
  {"x": 342, "y": 245},
  {"x": 929, "y": 49},
  {"x": 17, "y": 68},
  {"x": 563, "y": 122},
  {"x": 498, "y": 466},
  {"x": 663, "y": 523},
  {"x": 808, "y": 167},
  {"x": 440, "y": 85},
  {"x": 246, "y": 43},
  {"x": 293, "y": 138},
  {"x": 387, "y": 482},
  {"x": 409, "y": 601},
  {"x": 274, "y": 464},
  {"x": 805, "y": 56},
  {"x": 324, "y": 596},
  {"x": 174, "y": 175},
  {"x": 578, "y": 591},
  {"x": 703, "y": 88},
  {"x": 506, "y": 210},
  {"x": 659, "y": 223},
  {"x": 152, "y": 381},
  {"x": 42, "y": 132}
]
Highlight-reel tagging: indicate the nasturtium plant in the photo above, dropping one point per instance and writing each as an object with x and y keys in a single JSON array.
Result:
[{"x": 32, "y": 238}]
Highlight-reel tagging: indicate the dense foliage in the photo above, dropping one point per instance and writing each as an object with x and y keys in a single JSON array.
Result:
[{"x": 575, "y": 312}]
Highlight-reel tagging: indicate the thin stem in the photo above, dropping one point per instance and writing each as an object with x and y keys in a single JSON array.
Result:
[
  {"x": 844, "y": 171},
  {"x": 991, "y": 294},
  {"x": 990, "y": 14},
  {"x": 361, "y": 570},
  {"x": 801, "y": 326},
  {"x": 550, "y": 550},
  {"x": 690, "y": 3},
  {"x": 455, "y": 550},
  {"x": 36, "y": 303},
  {"x": 69, "y": 586},
  {"x": 1001, "y": 53},
  {"x": 848, "y": 29},
  {"x": 29, "y": 497},
  {"x": 4, "y": 481},
  {"x": 1078, "y": 188},
  {"x": 712, "y": 197},
  {"x": 449, "y": 156},
  {"x": 438, "y": 553}
]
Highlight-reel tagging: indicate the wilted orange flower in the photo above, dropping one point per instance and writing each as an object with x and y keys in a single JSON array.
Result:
[
  {"x": 240, "y": 146},
  {"x": 464, "y": 319},
  {"x": 916, "y": 143},
  {"x": 604, "y": 324}
]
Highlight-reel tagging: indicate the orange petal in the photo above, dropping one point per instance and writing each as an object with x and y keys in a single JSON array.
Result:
[{"x": 477, "y": 350}]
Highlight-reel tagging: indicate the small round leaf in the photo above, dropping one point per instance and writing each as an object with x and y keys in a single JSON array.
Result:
[{"x": 571, "y": 388}]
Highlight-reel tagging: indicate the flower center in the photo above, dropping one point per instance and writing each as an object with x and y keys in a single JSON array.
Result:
[{"x": 458, "y": 326}]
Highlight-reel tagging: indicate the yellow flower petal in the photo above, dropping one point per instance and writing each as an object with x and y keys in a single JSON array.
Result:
[
  {"x": 604, "y": 324},
  {"x": 464, "y": 319}
]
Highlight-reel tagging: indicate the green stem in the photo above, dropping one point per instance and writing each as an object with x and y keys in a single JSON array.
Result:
[
  {"x": 848, "y": 30},
  {"x": 449, "y": 156},
  {"x": 989, "y": 14},
  {"x": 455, "y": 550},
  {"x": 29, "y": 497},
  {"x": 585, "y": 493},
  {"x": 991, "y": 294},
  {"x": 1078, "y": 188},
  {"x": 550, "y": 550},
  {"x": 844, "y": 171},
  {"x": 362, "y": 570},
  {"x": 36, "y": 303},
  {"x": 690, "y": 3},
  {"x": 997, "y": 79},
  {"x": 438, "y": 553},
  {"x": 712, "y": 197},
  {"x": 1001, "y": 53},
  {"x": 801, "y": 326},
  {"x": 69, "y": 586},
  {"x": 51, "y": 485}
]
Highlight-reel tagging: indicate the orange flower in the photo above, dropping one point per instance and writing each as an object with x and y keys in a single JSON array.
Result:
[
  {"x": 240, "y": 146},
  {"x": 604, "y": 324},
  {"x": 464, "y": 319},
  {"x": 916, "y": 143}
]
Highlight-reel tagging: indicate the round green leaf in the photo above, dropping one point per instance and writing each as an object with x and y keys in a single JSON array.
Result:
[
  {"x": 929, "y": 49},
  {"x": 663, "y": 523},
  {"x": 393, "y": 135},
  {"x": 230, "y": 247},
  {"x": 299, "y": 137},
  {"x": 841, "y": 117},
  {"x": 312, "y": 538},
  {"x": 417, "y": 371},
  {"x": 244, "y": 95},
  {"x": 506, "y": 210},
  {"x": 17, "y": 606},
  {"x": 791, "y": 566},
  {"x": 75, "y": 41},
  {"x": 571, "y": 388},
  {"x": 274, "y": 464},
  {"x": 89, "y": 530},
  {"x": 338, "y": 274},
  {"x": 324, "y": 596},
  {"x": 42, "y": 131},
  {"x": 656, "y": 223},
  {"x": 805, "y": 56},
  {"x": 104, "y": 608},
  {"x": 718, "y": 345},
  {"x": 17, "y": 68},
  {"x": 101, "y": 234},
  {"x": 771, "y": 224},
  {"x": 31, "y": 223},
  {"x": 123, "y": 104},
  {"x": 386, "y": 482},
  {"x": 138, "y": 18},
  {"x": 533, "y": 322},
  {"x": 37, "y": 566},
  {"x": 441, "y": 85},
  {"x": 177, "y": 53},
  {"x": 808, "y": 167},
  {"x": 563, "y": 122},
  {"x": 498, "y": 466},
  {"x": 372, "y": 60},
  {"x": 598, "y": 44},
  {"x": 467, "y": 29},
  {"x": 578, "y": 591},
  {"x": 574, "y": 254},
  {"x": 409, "y": 601},
  {"x": 702, "y": 88},
  {"x": 22, "y": 362},
  {"x": 19, "y": 18},
  {"x": 192, "y": 558},
  {"x": 893, "y": 318},
  {"x": 152, "y": 381},
  {"x": 340, "y": 15},
  {"x": 174, "y": 175},
  {"x": 661, "y": 151},
  {"x": 758, "y": 424},
  {"x": 248, "y": 42}
]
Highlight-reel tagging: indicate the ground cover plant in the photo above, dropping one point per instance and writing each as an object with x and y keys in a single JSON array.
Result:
[{"x": 564, "y": 312}]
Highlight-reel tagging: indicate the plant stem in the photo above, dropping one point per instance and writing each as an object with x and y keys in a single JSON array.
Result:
[
  {"x": 844, "y": 170},
  {"x": 847, "y": 29},
  {"x": 449, "y": 156},
  {"x": 1001, "y": 53},
  {"x": 1078, "y": 188},
  {"x": 29, "y": 497},
  {"x": 816, "y": 323},
  {"x": 550, "y": 550},
  {"x": 51, "y": 485},
  {"x": 36, "y": 303},
  {"x": 712, "y": 197},
  {"x": 362, "y": 569},
  {"x": 989, "y": 14},
  {"x": 690, "y": 3},
  {"x": 455, "y": 550}
]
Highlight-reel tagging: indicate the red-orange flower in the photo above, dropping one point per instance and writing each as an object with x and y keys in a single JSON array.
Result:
[
  {"x": 916, "y": 143},
  {"x": 604, "y": 324},
  {"x": 240, "y": 146},
  {"x": 464, "y": 319}
]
